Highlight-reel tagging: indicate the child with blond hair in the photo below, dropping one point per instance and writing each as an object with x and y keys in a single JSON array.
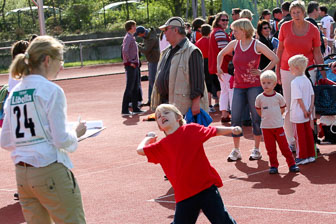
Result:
[
  {"x": 270, "y": 106},
  {"x": 301, "y": 112},
  {"x": 182, "y": 157}
]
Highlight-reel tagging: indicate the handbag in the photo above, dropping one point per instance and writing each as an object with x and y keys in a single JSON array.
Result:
[{"x": 325, "y": 99}]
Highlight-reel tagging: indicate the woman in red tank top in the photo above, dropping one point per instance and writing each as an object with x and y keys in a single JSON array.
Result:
[{"x": 247, "y": 51}]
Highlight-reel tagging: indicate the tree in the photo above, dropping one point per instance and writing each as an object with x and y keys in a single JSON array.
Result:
[{"x": 3, "y": 16}]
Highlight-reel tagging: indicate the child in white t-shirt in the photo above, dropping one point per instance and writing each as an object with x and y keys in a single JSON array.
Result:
[
  {"x": 270, "y": 105},
  {"x": 302, "y": 105}
]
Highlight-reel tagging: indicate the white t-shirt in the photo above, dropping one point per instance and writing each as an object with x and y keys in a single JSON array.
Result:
[
  {"x": 326, "y": 22},
  {"x": 163, "y": 43},
  {"x": 12, "y": 83},
  {"x": 301, "y": 88},
  {"x": 270, "y": 106},
  {"x": 34, "y": 127}
]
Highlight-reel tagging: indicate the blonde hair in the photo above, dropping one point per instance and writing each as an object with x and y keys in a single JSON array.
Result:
[
  {"x": 298, "y": 4},
  {"x": 298, "y": 61},
  {"x": 172, "y": 108},
  {"x": 245, "y": 13},
  {"x": 244, "y": 25},
  {"x": 38, "y": 49},
  {"x": 268, "y": 74}
]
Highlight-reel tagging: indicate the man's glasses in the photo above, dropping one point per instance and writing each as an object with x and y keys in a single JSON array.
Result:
[{"x": 224, "y": 20}]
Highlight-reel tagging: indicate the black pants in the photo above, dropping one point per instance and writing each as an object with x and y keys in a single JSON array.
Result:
[
  {"x": 132, "y": 90},
  {"x": 209, "y": 201}
]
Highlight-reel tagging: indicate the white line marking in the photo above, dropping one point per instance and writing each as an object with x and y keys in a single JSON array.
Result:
[
  {"x": 259, "y": 208},
  {"x": 8, "y": 190}
]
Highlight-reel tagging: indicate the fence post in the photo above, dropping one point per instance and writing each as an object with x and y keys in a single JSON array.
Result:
[{"x": 81, "y": 53}]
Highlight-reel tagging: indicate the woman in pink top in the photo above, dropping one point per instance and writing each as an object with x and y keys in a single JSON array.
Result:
[
  {"x": 246, "y": 79},
  {"x": 297, "y": 36}
]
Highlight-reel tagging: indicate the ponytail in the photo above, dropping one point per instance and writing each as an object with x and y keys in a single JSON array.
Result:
[{"x": 19, "y": 67}]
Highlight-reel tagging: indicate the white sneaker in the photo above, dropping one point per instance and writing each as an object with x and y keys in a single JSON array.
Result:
[
  {"x": 311, "y": 159},
  {"x": 234, "y": 155},
  {"x": 255, "y": 154}
]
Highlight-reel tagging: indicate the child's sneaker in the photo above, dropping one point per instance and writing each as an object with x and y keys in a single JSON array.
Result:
[
  {"x": 294, "y": 169},
  {"x": 255, "y": 154},
  {"x": 300, "y": 161},
  {"x": 234, "y": 155},
  {"x": 212, "y": 109},
  {"x": 311, "y": 159},
  {"x": 273, "y": 170}
]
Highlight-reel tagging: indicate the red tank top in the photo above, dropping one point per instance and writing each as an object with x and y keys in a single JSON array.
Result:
[{"x": 244, "y": 61}]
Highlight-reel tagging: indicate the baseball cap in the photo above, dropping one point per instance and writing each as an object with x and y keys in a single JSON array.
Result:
[
  {"x": 174, "y": 21},
  {"x": 140, "y": 29}
]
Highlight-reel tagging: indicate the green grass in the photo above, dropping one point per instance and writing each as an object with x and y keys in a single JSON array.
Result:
[{"x": 95, "y": 62}]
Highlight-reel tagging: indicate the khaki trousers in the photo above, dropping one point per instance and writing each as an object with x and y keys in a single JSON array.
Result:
[{"x": 49, "y": 194}]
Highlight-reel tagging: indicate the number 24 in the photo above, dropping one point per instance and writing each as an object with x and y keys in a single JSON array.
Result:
[{"x": 28, "y": 122}]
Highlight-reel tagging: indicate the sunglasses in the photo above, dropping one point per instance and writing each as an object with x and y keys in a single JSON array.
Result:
[
  {"x": 224, "y": 20},
  {"x": 266, "y": 27}
]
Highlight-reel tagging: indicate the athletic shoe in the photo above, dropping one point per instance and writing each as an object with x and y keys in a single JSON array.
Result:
[
  {"x": 225, "y": 119},
  {"x": 138, "y": 111},
  {"x": 234, "y": 155},
  {"x": 145, "y": 104},
  {"x": 16, "y": 197},
  {"x": 292, "y": 147},
  {"x": 255, "y": 154},
  {"x": 300, "y": 161},
  {"x": 273, "y": 170},
  {"x": 212, "y": 109},
  {"x": 294, "y": 169},
  {"x": 128, "y": 113},
  {"x": 311, "y": 159}
]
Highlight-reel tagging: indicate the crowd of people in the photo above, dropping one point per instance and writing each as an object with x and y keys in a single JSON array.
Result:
[{"x": 254, "y": 74}]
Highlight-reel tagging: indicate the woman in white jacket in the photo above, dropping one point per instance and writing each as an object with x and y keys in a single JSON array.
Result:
[{"x": 35, "y": 131}]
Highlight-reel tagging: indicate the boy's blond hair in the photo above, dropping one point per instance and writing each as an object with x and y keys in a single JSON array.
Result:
[
  {"x": 298, "y": 61},
  {"x": 270, "y": 75},
  {"x": 172, "y": 108},
  {"x": 244, "y": 25}
]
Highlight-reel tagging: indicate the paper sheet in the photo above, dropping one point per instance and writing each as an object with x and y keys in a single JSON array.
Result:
[{"x": 93, "y": 128}]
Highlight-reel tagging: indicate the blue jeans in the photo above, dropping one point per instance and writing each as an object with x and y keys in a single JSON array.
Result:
[
  {"x": 209, "y": 201},
  {"x": 152, "y": 68},
  {"x": 241, "y": 98}
]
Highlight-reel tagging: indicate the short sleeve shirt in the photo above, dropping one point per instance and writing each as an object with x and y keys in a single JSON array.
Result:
[
  {"x": 294, "y": 44},
  {"x": 270, "y": 106},
  {"x": 182, "y": 157},
  {"x": 301, "y": 88},
  {"x": 326, "y": 22}
]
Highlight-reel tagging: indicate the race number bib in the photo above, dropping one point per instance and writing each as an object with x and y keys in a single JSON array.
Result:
[{"x": 25, "y": 119}]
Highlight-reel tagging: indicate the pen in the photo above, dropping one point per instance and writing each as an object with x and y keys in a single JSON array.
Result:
[{"x": 79, "y": 119}]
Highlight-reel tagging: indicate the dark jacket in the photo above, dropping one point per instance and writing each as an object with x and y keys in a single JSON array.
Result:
[{"x": 151, "y": 48}]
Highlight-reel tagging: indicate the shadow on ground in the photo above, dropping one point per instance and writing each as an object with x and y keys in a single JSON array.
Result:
[
  {"x": 284, "y": 184},
  {"x": 11, "y": 214}
]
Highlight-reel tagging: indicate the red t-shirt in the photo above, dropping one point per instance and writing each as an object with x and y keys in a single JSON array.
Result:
[
  {"x": 203, "y": 45},
  {"x": 218, "y": 40},
  {"x": 244, "y": 61},
  {"x": 294, "y": 45},
  {"x": 182, "y": 158}
]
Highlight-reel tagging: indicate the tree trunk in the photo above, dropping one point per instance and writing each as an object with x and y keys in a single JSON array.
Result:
[
  {"x": 3, "y": 16},
  {"x": 31, "y": 12},
  {"x": 54, "y": 12},
  {"x": 203, "y": 9},
  {"x": 194, "y": 8},
  {"x": 187, "y": 10},
  {"x": 127, "y": 10}
]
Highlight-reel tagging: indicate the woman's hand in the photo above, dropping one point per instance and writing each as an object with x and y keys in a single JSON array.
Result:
[
  {"x": 219, "y": 75},
  {"x": 256, "y": 72},
  {"x": 277, "y": 71},
  {"x": 81, "y": 129}
]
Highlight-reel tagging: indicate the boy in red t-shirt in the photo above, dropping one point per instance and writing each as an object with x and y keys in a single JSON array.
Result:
[
  {"x": 203, "y": 45},
  {"x": 182, "y": 158}
]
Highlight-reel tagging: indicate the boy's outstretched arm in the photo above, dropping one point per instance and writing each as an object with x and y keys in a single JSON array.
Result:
[
  {"x": 149, "y": 139},
  {"x": 228, "y": 130}
]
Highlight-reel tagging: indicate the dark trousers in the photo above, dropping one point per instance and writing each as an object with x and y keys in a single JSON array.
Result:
[
  {"x": 209, "y": 201},
  {"x": 132, "y": 89}
]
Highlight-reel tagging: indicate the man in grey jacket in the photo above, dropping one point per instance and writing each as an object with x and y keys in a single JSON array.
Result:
[{"x": 151, "y": 49}]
